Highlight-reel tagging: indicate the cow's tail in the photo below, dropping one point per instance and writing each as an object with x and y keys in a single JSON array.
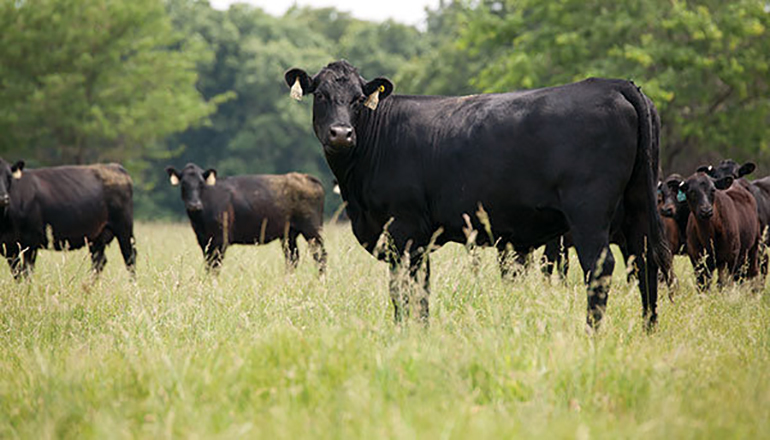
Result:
[{"x": 645, "y": 173}]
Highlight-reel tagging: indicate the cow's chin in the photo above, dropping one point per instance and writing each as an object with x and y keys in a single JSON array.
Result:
[{"x": 332, "y": 148}]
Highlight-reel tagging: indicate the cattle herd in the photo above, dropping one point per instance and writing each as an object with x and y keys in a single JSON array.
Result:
[{"x": 574, "y": 165}]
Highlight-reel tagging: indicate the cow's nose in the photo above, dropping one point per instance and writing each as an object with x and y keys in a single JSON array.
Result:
[
  {"x": 5, "y": 200},
  {"x": 340, "y": 136},
  {"x": 706, "y": 214},
  {"x": 194, "y": 206},
  {"x": 667, "y": 211}
]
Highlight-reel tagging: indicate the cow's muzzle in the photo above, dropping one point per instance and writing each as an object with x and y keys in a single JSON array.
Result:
[
  {"x": 5, "y": 201},
  {"x": 667, "y": 211},
  {"x": 705, "y": 214},
  {"x": 195, "y": 206},
  {"x": 341, "y": 136}
]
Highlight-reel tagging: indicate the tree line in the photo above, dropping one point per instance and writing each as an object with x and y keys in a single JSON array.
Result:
[{"x": 154, "y": 82}]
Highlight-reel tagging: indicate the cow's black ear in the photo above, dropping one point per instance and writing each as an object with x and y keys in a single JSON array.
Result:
[
  {"x": 299, "y": 82},
  {"x": 708, "y": 169},
  {"x": 724, "y": 182},
  {"x": 173, "y": 175},
  {"x": 210, "y": 175},
  {"x": 381, "y": 85},
  {"x": 746, "y": 168},
  {"x": 17, "y": 168}
]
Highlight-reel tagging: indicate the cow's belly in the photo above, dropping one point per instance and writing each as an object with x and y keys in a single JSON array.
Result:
[
  {"x": 524, "y": 227},
  {"x": 258, "y": 230},
  {"x": 75, "y": 228}
]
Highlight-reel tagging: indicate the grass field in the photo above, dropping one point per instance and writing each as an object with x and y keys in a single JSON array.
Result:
[{"x": 260, "y": 353}]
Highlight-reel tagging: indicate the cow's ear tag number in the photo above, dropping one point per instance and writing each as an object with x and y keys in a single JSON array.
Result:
[
  {"x": 374, "y": 99},
  {"x": 680, "y": 197}
]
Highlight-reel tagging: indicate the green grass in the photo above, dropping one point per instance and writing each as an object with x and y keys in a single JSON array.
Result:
[{"x": 260, "y": 353}]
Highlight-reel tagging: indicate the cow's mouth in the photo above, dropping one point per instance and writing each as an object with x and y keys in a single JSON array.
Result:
[{"x": 706, "y": 214}]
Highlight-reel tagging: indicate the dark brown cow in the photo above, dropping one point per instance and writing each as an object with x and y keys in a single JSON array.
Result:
[
  {"x": 723, "y": 229},
  {"x": 673, "y": 208},
  {"x": 252, "y": 209},
  {"x": 67, "y": 207},
  {"x": 759, "y": 188}
]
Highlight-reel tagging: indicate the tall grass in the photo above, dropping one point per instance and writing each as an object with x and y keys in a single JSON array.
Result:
[{"x": 257, "y": 352}]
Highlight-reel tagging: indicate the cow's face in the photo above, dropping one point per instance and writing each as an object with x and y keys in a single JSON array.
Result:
[
  {"x": 340, "y": 96},
  {"x": 700, "y": 190},
  {"x": 670, "y": 197},
  {"x": 8, "y": 175},
  {"x": 728, "y": 167},
  {"x": 193, "y": 181}
]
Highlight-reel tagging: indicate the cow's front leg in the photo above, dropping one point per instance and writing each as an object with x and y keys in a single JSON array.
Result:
[
  {"x": 398, "y": 290},
  {"x": 419, "y": 273}
]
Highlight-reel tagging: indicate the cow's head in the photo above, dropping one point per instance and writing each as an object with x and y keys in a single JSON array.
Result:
[
  {"x": 728, "y": 167},
  {"x": 8, "y": 175},
  {"x": 340, "y": 96},
  {"x": 670, "y": 197},
  {"x": 700, "y": 190},
  {"x": 193, "y": 181}
]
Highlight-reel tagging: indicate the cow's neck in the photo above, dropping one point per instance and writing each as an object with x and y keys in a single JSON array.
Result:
[
  {"x": 356, "y": 166},
  {"x": 711, "y": 228}
]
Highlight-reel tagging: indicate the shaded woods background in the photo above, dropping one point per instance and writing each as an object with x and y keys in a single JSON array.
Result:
[{"x": 150, "y": 82}]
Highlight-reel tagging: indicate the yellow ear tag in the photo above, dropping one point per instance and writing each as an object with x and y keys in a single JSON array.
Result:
[
  {"x": 16, "y": 174},
  {"x": 374, "y": 98},
  {"x": 211, "y": 180},
  {"x": 296, "y": 90},
  {"x": 173, "y": 179}
]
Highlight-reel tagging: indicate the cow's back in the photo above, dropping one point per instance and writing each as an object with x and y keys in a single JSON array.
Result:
[
  {"x": 74, "y": 200},
  {"x": 264, "y": 206},
  {"x": 745, "y": 212}
]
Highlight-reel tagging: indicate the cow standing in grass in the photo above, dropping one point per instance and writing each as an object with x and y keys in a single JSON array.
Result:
[
  {"x": 722, "y": 230},
  {"x": 539, "y": 162},
  {"x": 75, "y": 206},
  {"x": 675, "y": 212},
  {"x": 252, "y": 209},
  {"x": 759, "y": 188}
]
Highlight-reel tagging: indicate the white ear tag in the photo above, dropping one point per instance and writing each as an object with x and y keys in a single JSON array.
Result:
[
  {"x": 373, "y": 100},
  {"x": 296, "y": 90},
  {"x": 211, "y": 180},
  {"x": 16, "y": 174},
  {"x": 173, "y": 179}
]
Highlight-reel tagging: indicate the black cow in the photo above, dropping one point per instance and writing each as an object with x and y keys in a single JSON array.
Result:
[
  {"x": 252, "y": 209},
  {"x": 539, "y": 162},
  {"x": 74, "y": 205}
]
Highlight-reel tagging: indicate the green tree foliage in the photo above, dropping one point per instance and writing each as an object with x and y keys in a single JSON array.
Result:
[
  {"x": 261, "y": 130},
  {"x": 704, "y": 63},
  {"x": 89, "y": 80}
]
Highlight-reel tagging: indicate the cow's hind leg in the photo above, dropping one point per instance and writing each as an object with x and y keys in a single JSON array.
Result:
[
  {"x": 98, "y": 259},
  {"x": 590, "y": 229},
  {"x": 639, "y": 255},
  {"x": 316, "y": 244},
  {"x": 290, "y": 250}
]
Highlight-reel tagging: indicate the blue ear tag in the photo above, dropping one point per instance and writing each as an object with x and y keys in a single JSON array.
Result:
[{"x": 680, "y": 197}]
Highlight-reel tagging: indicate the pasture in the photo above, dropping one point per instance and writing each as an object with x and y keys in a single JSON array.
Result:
[{"x": 259, "y": 353}]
